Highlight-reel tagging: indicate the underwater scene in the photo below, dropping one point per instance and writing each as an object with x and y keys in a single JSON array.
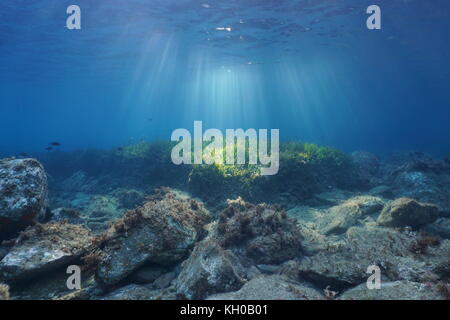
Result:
[{"x": 225, "y": 150}]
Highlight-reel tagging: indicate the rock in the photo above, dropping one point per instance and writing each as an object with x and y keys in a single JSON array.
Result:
[
  {"x": 405, "y": 212},
  {"x": 340, "y": 218},
  {"x": 210, "y": 269},
  {"x": 100, "y": 211},
  {"x": 147, "y": 274},
  {"x": 52, "y": 286},
  {"x": 273, "y": 287},
  {"x": 367, "y": 166},
  {"x": 4, "y": 292},
  {"x": 424, "y": 179},
  {"x": 139, "y": 292},
  {"x": 440, "y": 227},
  {"x": 23, "y": 194},
  {"x": 330, "y": 198},
  {"x": 366, "y": 162},
  {"x": 129, "y": 198},
  {"x": 132, "y": 292},
  {"x": 72, "y": 216},
  {"x": 165, "y": 280},
  {"x": 344, "y": 264},
  {"x": 382, "y": 191},
  {"x": 162, "y": 231},
  {"x": 268, "y": 268},
  {"x": 79, "y": 182},
  {"x": 397, "y": 290},
  {"x": 42, "y": 248},
  {"x": 262, "y": 233}
]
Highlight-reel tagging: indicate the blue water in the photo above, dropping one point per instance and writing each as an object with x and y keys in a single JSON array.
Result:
[{"x": 138, "y": 69}]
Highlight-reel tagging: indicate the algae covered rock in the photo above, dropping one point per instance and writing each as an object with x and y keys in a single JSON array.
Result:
[
  {"x": 42, "y": 248},
  {"x": 23, "y": 194},
  {"x": 263, "y": 233},
  {"x": 210, "y": 269},
  {"x": 273, "y": 287},
  {"x": 162, "y": 231},
  {"x": 396, "y": 290},
  {"x": 341, "y": 217},
  {"x": 405, "y": 212}
]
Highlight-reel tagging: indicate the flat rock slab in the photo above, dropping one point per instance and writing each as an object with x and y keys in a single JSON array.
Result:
[{"x": 44, "y": 247}]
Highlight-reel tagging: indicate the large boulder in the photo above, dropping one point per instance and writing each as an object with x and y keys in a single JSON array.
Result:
[
  {"x": 42, "y": 248},
  {"x": 405, "y": 212},
  {"x": 23, "y": 194},
  {"x": 341, "y": 217},
  {"x": 271, "y": 287},
  {"x": 261, "y": 233},
  {"x": 162, "y": 231},
  {"x": 210, "y": 269}
]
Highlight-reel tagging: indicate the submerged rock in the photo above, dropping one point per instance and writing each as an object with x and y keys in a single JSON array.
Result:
[
  {"x": 440, "y": 227},
  {"x": 147, "y": 274},
  {"x": 72, "y": 216},
  {"x": 263, "y": 233},
  {"x": 42, "y": 248},
  {"x": 339, "y": 218},
  {"x": 23, "y": 194},
  {"x": 162, "y": 231},
  {"x": 420, "y": 177},
  {"x": 210, "y": 269},
  {"x": 273, "y": 287},
  {"x": 129, "y": 198},
  {"x": 405, "y": 212},
  {"x": 397, "y": 290},
  {"x": 132, "y": 292},
  {"x": 367, "y": 165},
  {"x": 344, "y": 264}
]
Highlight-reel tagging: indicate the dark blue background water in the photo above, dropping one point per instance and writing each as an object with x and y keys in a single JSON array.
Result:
[{"x": 310, "y": 68}]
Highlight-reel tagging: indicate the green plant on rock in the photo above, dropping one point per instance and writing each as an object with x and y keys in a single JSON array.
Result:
[{"x": 220, "y": 179}]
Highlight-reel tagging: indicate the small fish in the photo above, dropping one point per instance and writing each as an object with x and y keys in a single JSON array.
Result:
[
  {"x": 49, "y": 148},
  {"x": 149, "y": 119},
  {"x": 24, "y": 155},
  {"x": 56, "y": 144},
  {"x": 119, "y": 149}
]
